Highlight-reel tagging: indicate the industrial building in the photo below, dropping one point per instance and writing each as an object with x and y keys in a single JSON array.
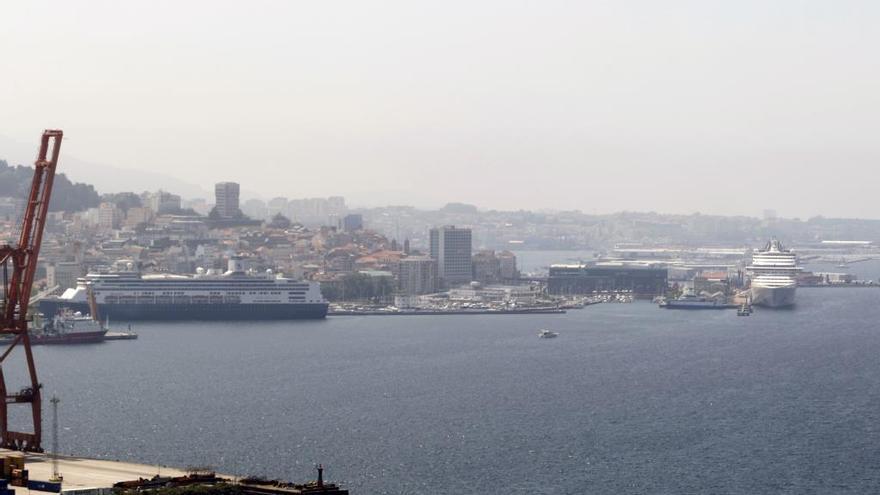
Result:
[
  {"x": 63, "y": 274},
  {"x": 645, "y": 281}
]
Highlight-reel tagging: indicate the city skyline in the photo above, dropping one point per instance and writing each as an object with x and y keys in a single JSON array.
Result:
[
  {"x": 205, "y": 192},
  {"x": 638, "y": 106}
]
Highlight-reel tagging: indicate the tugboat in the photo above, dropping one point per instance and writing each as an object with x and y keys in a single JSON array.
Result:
[
  {"x": 68, "y": 328},
  {"x": 745, "y": 309}
]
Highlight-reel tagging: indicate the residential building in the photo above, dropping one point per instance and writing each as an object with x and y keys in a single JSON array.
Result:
[
  {"x": 487, "y": 267},
  {"x": 226, "y": 199},
  {"x": 507, "y": 265},
  {"x": 198, "y": 205},
  {"x": 417, "y": 275},
  {"x": 256, "y": 209},
  {"x": 278, "y": 206},
  {"x": 108, "y": 216},
  {"x": 137, "y": 215},
  {"x": 163, "y": 202},
  {"x": 352, "y": 222}
]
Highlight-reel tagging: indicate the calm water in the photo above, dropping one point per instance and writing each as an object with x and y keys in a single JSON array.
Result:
[
  {"x": 867, "y": 270},
  {"x": 629, "y": 399}
]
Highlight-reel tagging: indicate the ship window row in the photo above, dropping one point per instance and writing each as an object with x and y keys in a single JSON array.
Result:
[
  {"x": 199, "y": 282},
  {"x": 175, "y": 300},
  {"x": 192, "y": 282},
  {"x": 196, "y": 287},
  {"x": 212, "y": 293}
]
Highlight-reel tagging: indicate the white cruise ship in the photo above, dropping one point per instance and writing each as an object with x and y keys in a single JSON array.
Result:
[
  {"x": 773, "y": 274},
  {"x": 234, "y": 295}
]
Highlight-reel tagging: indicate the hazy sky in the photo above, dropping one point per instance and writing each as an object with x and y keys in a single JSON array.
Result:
[{"x": 718, "y": 106}]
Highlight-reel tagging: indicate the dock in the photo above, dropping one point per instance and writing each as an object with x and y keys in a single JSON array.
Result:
[
  {"x": 88, "y": 475},
  {"x": 83, "y": 476},
  {"x": 431, "y": 312}
]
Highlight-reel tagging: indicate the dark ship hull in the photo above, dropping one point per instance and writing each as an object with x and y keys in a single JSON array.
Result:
[{"x": 192, "y": 312}]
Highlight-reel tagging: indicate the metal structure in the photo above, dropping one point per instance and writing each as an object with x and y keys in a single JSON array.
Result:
[
  {"x": 18, "y": 264},
  {"x": 56, "y": 476}
]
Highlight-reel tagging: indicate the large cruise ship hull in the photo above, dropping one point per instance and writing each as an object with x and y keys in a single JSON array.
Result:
[
  {"x": 773, "y": 297},
  {"x": 177, "y": 312}
]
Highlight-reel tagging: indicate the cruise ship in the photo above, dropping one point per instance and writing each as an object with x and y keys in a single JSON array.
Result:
[
  {"x": 234, "y": 295},
  {"x": 774, "y": 273}
]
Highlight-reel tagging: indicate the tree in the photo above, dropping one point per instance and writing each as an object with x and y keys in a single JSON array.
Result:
[
  {"x": 66, "y": 196},
  {"x": 123, "y": 200},
  {"x": 279, "y": 221}
]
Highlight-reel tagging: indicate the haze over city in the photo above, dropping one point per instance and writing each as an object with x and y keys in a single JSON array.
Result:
[
  {"x": 514, "y": 247},
  {"x": 717, "y": 107}
]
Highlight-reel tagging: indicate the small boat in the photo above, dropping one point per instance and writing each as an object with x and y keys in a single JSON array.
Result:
[{"x": 547, "y": 334}]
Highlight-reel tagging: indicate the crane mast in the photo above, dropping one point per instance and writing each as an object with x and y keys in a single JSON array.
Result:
[{"x": 18, "y": 264}]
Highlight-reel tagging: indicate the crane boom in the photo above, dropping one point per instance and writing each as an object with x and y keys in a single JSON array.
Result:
[{"x": 21, "y": 261}]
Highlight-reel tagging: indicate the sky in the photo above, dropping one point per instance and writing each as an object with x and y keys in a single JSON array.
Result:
[{"x": 675, "y": 106}]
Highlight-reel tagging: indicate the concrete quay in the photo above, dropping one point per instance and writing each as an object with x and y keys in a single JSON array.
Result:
[{"x": 87, "y": 474}]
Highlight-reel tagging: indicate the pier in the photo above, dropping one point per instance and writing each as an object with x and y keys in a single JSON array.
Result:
[{"x": 89, "y": 475}]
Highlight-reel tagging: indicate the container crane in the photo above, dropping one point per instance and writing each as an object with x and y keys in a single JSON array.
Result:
[{"x": 18, "y": 264}]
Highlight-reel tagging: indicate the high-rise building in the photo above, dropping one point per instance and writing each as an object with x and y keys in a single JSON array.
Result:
[
  {"x": 108, "y": 216},
  {"x": 417, "y": 275},
  {"x": 256, "y": 209},
  {"x": 226, "y": 199},
  {"x": 487, "y": 267},
  {"x": 451, "y": 247},
  {"x": 278, "y": 206},
  {"x": 352, "y": 222},
  {"x": 507, "y": 262},
  {"x": 162, "y": 202},
  {"x": 336, "y": 205}
]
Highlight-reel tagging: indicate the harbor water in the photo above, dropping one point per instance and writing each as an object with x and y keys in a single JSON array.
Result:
[{"x": 628, "y": 399}]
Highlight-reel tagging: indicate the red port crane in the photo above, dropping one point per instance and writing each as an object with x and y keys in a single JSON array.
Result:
[{"x": 18, "y": 264}]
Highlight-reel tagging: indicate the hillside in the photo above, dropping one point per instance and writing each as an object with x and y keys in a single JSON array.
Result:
[{"x": 66, "y": 196}]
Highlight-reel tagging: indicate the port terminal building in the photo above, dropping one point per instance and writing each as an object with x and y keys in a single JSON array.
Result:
[{"x": 644, "y": 281}]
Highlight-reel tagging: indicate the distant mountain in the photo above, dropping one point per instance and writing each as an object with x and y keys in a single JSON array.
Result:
[{"x": 105, "y": 178}]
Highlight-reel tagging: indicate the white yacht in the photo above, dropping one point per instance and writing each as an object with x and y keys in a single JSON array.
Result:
[{"x": 773, "y": 273}]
